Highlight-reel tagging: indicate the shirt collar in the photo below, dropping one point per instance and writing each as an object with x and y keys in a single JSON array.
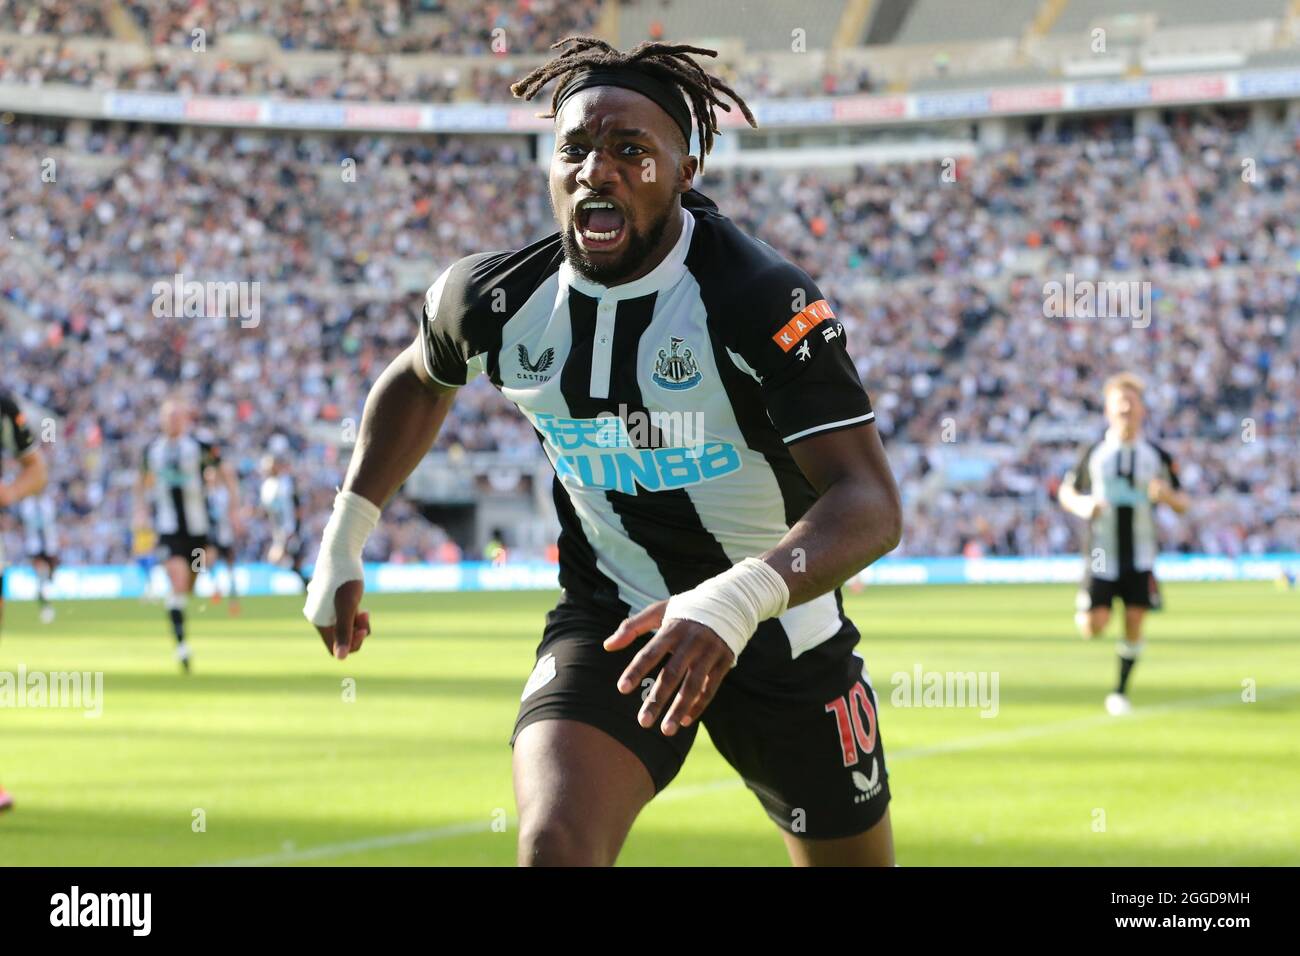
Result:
[{"x": 662, "y": 276}]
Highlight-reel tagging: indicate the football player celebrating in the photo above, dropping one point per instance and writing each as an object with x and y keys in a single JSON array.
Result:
[
  {"x": 700, "y": 568},
  {"x": 1115, "y": 488}
]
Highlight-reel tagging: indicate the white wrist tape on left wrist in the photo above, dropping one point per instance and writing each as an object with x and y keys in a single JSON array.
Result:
[{"x": 733, "y": 603}]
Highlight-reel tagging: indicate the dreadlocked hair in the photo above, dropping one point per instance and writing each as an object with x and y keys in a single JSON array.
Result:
[{"x": 668, "y": 62}]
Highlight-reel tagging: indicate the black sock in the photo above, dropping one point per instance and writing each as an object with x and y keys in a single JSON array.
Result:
[
  {"x": 1125, "y": 668},
  {"x": 178, "y": 623},
  {"x": 1129, "y": 652}
]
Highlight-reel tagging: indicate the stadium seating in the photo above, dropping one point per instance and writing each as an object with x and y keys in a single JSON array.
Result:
[
  {"x": 766, "y": 25},
  {"x": 1080, "y": 16},
  {"x": 935, "y": 21}
]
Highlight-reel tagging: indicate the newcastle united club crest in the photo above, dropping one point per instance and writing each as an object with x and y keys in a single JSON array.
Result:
[{"x": 676, "y": 371}]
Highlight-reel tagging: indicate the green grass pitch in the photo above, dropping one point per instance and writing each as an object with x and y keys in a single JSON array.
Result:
[{"x": 416, "y": 769}]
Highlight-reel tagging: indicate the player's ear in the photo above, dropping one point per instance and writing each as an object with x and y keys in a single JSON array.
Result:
[{"x": 687, "y": 169}]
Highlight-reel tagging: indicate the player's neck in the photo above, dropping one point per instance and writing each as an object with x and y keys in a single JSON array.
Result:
[
  {"x": 672, "y": 232},
  {"x": 1123, "y": 436}
]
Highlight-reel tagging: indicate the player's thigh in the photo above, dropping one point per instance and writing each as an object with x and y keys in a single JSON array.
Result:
[
  {"x": 578, "y": 791},
  {"x": 178, "y": 573},
  {"x": 872, "y": 848},
  {"x": 584, "y": 766}
]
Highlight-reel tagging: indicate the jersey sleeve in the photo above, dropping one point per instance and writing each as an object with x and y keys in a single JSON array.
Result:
[
  {"x": 442, "y": 343},
  {"x": 794, "y": 345},
  {"x": 453, "y": 331},
  {"x": 12, "y": 415}
]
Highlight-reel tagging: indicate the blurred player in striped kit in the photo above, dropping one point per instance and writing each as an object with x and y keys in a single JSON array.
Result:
[
  {"x": 172, "y": 477},
  {"x": 279, "y": 497},
  {"x": 41, "y": 545},
  {"x": 1115, "y": 488},
  {"x": 222, "y": 505}
]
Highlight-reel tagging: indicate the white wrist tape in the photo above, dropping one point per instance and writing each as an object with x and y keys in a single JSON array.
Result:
[
  {"x": 734, "y": 602},
  {"x": 350, "y": 524}
]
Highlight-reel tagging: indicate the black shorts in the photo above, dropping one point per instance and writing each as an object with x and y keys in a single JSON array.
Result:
[
  {"x": 182, "y": 545},
  {"x": 1134, "y": 588},
  {"x": 802, "y": 733}
]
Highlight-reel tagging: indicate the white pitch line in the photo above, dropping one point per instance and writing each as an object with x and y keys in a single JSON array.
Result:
[
  {"x": 689, "y": 791},
  {"x": 361, "y": 846}
]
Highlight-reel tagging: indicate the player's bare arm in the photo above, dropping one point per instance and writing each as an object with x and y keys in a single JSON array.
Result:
[
  {"x": 1078, "y": 504},
  {"x": 1162, "y": 493},
  {"x": 856, "y": 519},
  {"x": 403, "y": 414},
  {"x": 30, "y": 480}
]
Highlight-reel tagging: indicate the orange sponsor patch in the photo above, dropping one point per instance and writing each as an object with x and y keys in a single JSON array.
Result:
[{"x": 803, "y": 323}]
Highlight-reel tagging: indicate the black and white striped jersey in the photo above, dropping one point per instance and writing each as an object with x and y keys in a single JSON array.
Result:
[
  {"x": 1122, "y": 538},
  {"x": 180, "y": 502},
  {"x": 666, "y": 405}
]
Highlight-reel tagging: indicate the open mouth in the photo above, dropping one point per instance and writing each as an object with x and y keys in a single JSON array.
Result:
[{"x": 599, "y": 225}]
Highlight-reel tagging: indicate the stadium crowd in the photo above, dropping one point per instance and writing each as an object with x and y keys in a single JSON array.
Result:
[
  {"x": 983, "y": 396},
  {"x": 470, "y": 27},
  {"x": 358, "y": 77},
  {"x": 171, "y": 56}
]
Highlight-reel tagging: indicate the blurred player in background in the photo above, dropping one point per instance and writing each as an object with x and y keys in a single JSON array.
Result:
[
  {"x": 279, "y": 496},
  {"x": 144, "y": 540},
  {"x": 1115, "y": 488},
  {"x": 16, "y": 439},
  {"x": 221, "y": 508},
  {"x": 172, "y": 475},
  {"x": 495, "y": 550},
  {"x": 41, "y": 544}
]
